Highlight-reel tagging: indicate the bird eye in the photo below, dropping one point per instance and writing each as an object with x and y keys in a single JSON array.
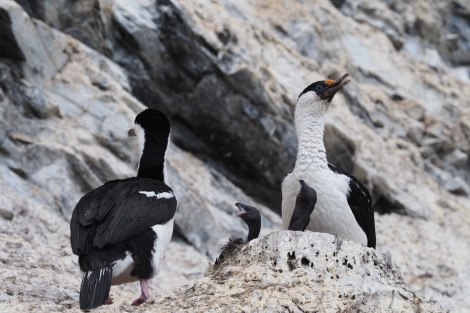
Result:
[{"x": 319, "y": 88}]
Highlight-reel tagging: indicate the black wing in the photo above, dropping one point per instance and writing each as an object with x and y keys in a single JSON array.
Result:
[
  {"x": 360, "y": 202},
  {"x": 118, "y": 210}
]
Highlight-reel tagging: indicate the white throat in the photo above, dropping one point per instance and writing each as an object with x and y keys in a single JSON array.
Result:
[
  {"x": 309, "y": 119},
  {"x": 140, "y": 134},
  {"x": 165, "y": 167}
]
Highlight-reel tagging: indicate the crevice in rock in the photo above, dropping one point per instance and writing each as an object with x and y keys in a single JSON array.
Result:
[
  {"x": 384, "y": 205},
  {"x": 291, "y": 261},
  {"x": 338, "y": 3},
  {"x": 357, "y": 109},
  {"x": 9, "y": 48},
  {"x": 305, "y": 261},
  {"x": 19, "y": 172}
]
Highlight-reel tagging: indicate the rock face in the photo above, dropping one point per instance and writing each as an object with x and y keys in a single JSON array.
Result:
[
  {"x": 73, "y": 75},
  {"x": 300, "y": 272}
]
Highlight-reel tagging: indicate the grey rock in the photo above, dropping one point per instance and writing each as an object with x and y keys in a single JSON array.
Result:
[
  {"x": 184, "y": 73},
  {"x": 415, "y": 132},
  {"x": 452, "y": 183},
  {"x": 83, "y": 20},
  {"x": 227, "y": 74},
  {"x": 300, "y": 272},
  {"x": 380, "y": 16},
  {"x": 34, "y": 101},
  {"x": 457, "y": 158},
  {"x": 206, "y": 204},
  {"x": 9, "y": 48},
  {"x": 432, "y": 58}
]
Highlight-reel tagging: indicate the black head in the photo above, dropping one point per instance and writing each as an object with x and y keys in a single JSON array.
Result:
[
  {"x": 152, "y": 129},
  {"x": 326, "y": 89},
  {"x": 251, "y": 217},
  {"x": 152, "y": 120}
]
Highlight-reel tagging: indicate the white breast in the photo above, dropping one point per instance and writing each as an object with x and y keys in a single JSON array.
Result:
[
  {"x": 122, "y": 268},
  {"x": 332, "y": 213},
  {"x": 164, "y": 233},
  {"x": 122, "y": 271}
]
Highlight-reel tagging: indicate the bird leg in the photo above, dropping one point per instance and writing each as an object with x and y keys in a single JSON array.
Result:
[
  {"x": 108, "y": 301},
  {"x": 145, "y": 293}
]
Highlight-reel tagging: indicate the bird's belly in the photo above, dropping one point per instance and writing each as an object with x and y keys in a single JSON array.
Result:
[
  {"x": 332, "y": 213},
  {"x": 122, "y": 271},
  {"x": 164, "y": 233},
  {"x": 123, "y": 267},
  {"x": 335, "y": 217}
]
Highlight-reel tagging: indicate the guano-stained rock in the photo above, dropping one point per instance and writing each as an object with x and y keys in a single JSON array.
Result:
[{"x": 299, "y": 272}]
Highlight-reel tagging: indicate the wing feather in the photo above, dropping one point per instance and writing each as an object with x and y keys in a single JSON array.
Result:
[
  {"x": 117, "y": 211},
  {"x": 360, "y": 202}
]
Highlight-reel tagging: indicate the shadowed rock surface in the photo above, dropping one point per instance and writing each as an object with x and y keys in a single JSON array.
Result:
[{"x": 73, "y": 75}]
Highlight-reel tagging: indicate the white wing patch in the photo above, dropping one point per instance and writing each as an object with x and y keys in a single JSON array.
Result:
[{"x": 160, "y": 195}]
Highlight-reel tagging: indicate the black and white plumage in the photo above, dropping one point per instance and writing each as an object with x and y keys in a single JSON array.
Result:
[
  {"x": 121, "y": 229},
  {"x": 304, "y": 205},
  {"x": 343, "y": 204},
  {"x": 252, "y": 218}
]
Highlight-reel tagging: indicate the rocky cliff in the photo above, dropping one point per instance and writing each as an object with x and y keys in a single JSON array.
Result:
[{"x": 73, "y": 74}]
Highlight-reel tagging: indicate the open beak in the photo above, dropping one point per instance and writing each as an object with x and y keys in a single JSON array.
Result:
[
  {"x": 333, "y": 87},
  {"x": 131, "y": 133},
  {"x": 241, "y": 209}
]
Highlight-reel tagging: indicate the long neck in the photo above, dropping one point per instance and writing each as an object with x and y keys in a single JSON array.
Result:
[
  {"x": 253, "y": 230},
  {"x": 152, "y": 160},
  {"x": 311, "y": 148}
]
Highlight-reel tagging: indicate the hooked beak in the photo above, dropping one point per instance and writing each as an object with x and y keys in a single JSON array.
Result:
[
  {"x": 241, "y": 210},
  {"x": 333, "y": 87},
  {"x": 131, "y": 133}
]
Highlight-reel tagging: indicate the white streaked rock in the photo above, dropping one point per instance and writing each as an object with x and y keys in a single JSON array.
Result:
[{"x": 300, "y": 272}]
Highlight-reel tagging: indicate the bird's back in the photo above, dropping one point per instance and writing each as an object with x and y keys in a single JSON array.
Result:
[{"x": 118, "y": 210}]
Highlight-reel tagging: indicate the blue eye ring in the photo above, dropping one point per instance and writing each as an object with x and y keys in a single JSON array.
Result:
[{"x": 319, "y": 88}]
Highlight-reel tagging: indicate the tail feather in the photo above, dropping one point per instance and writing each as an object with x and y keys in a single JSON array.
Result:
[{"x": 95, "y": 288}]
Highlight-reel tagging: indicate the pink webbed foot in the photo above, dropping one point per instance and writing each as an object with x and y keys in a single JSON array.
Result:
[
  {"x": 108, "y": 301},
  {"x": 145, "y": 293},
  {"x": 139, "y": 300}
]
